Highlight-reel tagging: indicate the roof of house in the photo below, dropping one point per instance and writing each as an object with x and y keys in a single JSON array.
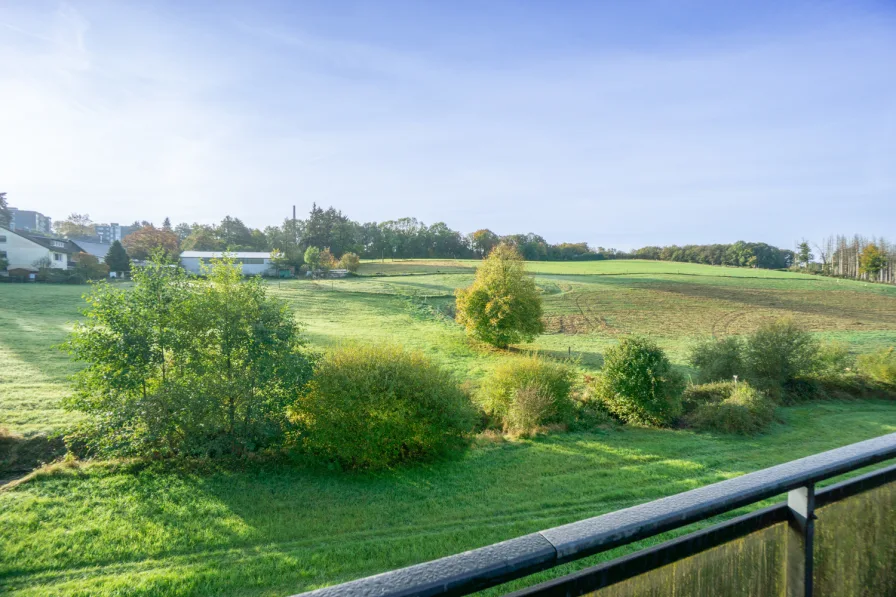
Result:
[
  {"x": 46, "y": 242},
  {"x": 91, "y": 248},
  {"x": 217, "y": 254}
]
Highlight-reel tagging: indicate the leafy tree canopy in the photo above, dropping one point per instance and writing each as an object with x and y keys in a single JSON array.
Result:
[
  {"x": 141, "y": 243},
  {"x": 503, "y": 305},
  {"x": 184, "y": 366},
  {"x": 872, "y": 260},
  {"x": 75, "y": 226}
]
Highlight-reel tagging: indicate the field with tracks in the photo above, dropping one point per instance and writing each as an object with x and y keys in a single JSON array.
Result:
[{"x": 275, "y": 529}]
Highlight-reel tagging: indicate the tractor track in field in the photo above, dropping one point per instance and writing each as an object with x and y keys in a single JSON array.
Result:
[
  {"x": 595, "y": 322},
  {"x": 722, "y": 325}
]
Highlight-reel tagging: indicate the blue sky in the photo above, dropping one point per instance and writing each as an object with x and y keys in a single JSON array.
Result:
[{"x": 621, "y": 124}]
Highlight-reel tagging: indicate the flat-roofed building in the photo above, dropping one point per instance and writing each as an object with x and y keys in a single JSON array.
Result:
[
  {"x": 30, "y": 221},
  {"x": 254, "y": 263}
]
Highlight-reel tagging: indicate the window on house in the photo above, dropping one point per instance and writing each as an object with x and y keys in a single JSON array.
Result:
[
  {"x": 57, "y": 256},
  {"x": 2, "y": 238},
  {"x": 2, "y": 254},
  {"x": 57, "y": 243},
  {"x": 250, "y": 261}
]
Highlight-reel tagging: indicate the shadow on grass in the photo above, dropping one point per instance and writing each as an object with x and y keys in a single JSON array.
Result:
[{"x": 20, "y": 455}]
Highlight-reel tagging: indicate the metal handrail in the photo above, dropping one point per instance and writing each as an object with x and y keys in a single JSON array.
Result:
[{"x": 488, "y": 566}]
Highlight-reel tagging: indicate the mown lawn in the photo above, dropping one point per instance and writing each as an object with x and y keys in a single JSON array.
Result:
[
  {"x": 161, "y": 529},
  {"x": 277, "y": 529}
]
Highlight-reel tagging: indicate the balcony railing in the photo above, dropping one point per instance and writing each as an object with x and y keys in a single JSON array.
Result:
[{"x": 792, "y": 559}]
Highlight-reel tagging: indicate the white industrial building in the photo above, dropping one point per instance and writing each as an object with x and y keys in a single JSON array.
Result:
[{"x": 254, "y": 263}]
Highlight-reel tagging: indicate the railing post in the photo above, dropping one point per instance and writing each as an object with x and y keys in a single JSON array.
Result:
[{"x": 800, "y": 539}]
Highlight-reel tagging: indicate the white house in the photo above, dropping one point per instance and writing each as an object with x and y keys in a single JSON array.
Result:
[
  {"x": 25, "y": 251},
  {"x": 254, "y": 263}
]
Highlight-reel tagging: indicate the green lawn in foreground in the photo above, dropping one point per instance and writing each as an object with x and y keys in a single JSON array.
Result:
[
  {"x": 165, "y": 529},
  {"x": 277, "y": 529},
  {"x": 33, "y": 373}
]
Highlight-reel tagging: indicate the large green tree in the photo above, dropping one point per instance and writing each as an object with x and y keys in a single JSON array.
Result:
[
  {"x": 251, "y": 361},
  {"x": 203, "y": 238},
  {"x": 503, "y": 305},
  {"x": 183, "y": 366},
  {"x": 117, "y": 258},
  {"x": 235, "y": 235},
  {"x": 483, "y": 241},
  {"x": 134, "y": 347}
]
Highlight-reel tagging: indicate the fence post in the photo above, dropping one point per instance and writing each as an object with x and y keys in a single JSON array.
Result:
[{"x": 800, "y": 539}]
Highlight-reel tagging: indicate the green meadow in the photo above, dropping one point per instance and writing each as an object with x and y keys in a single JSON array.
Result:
[{"x": 278, "y": 528}]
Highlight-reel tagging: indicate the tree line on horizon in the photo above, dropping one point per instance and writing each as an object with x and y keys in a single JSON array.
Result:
[
  {"x": 409, "y": 238},
  {"x": 857, "y": 257}
]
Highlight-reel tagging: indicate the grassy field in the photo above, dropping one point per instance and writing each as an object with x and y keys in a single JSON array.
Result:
[
  {"x": 276, "y": 529},
  {"x": 587, "y": 306}
]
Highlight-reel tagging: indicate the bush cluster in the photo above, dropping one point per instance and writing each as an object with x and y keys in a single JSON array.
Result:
[
  {"x": 718, "y": 360},
  {"x": 526, "y": 393},
  {"x": 772, "y": 358},
  {"x": 780, "y": 352},
  {"x": 370, "y": 407},
  {"x": 695, "y": 396},
  {"x": 879, "y": 366},
  {"x": 638, "y": 385},
  {"x": 181, "y": 366},
  {"x": 746, "y": 411}
]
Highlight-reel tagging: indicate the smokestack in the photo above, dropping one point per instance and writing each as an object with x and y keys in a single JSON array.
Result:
[{"x": 293, "y": 214}]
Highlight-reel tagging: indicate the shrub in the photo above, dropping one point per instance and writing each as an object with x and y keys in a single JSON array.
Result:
[
  {"x": 746, "y": 412},
  {"x": 638, "y": 385},
  {"x": 377, "y": 406},
  {"x": 849, "y": 386},
  {"x": 533, "y": 381},
  {"x": 503, "y": 305},
  {"x": 695, "y": 396},
  {"x": 589, "y": 414},
  {"x": 89, "y": 267},
  {"x": 780, "y": 352},
  {"x": 531, "y": 407},
  {"x": 832, "y": 359},
  {"x": 718, "y": 360},
  {"x": 327, "y": 260},
  {"x": 879, "y": 366},
  {"x": 350, "y": 262}
]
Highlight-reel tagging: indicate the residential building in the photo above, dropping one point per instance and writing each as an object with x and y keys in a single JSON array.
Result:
[
  {"x": 24, "y": 251},
  {"x": 108, "y": 233},
  {"x": 98, "y": 250},
  {"x": 30, "y": 221},
  {"x": 254, "y": 263}
]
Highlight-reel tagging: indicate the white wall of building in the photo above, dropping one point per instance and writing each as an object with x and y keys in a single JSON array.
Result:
[
  {"x": 22, "y": 253},
  {"x": 193, "y": 265}
]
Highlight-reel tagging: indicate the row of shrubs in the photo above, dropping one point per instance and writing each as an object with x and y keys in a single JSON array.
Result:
[{"x": 376, "y": 406}]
